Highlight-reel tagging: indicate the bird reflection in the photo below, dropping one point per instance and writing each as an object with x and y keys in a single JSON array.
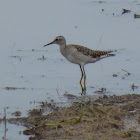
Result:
[{"x": 83, "y": 75}]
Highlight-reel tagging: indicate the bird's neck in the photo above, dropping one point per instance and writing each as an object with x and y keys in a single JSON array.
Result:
[{"x": 63, "y": 49}]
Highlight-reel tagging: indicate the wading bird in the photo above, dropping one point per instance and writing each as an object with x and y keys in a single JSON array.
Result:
[{"x": 80, "y": 55}]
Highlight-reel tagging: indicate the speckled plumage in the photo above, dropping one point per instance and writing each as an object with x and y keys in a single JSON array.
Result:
[{"x": 92, "y": 53}]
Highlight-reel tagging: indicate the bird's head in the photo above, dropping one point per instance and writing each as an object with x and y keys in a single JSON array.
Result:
[{"x": 59, "y": 40}]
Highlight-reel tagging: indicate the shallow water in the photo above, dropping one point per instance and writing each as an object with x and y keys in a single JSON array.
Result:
[
  {"x": 26, "y": 28},
  {"x": 12, "y": 132}
]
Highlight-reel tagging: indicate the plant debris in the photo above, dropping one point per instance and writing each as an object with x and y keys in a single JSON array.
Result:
[
  {"x": 125, "y": 11},
  {"x": 102, "y": 118},
  {"x": 42, "y": 58},
  {"x": 136, "y": 16},
  {"x": 101, "y": 90},
  {"x": 16, "y": 113},
  {"x": 133, "y": 87},
  {"x": 14, "y": 88},
  {"x": 115, "y": 75}
]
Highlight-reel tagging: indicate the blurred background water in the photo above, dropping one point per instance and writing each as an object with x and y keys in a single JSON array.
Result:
[{"x": 39, "y": 72}]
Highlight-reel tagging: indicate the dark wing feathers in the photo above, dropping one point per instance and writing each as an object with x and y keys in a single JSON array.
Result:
[{"x": 92, "y": 53}]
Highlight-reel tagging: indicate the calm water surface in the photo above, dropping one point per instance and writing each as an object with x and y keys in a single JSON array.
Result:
[{"x": 26, "y": 26}]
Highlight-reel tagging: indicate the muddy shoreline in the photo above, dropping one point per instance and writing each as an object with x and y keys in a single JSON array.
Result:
[{"x": 108, "y": 117}]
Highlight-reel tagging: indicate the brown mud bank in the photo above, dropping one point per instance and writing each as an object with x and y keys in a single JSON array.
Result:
[{"x": 105, "y": 118}]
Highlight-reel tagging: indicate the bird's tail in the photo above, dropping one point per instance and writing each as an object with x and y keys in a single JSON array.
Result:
[
  {"x": 107, "y": 54},
  {"x": 110, "y": 54}
]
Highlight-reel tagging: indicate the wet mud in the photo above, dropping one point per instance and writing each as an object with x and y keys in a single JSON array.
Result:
[{"x": 105, "y": 118}]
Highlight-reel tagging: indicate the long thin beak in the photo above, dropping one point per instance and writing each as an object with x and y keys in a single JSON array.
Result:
[{"x": 48, "y": 44}]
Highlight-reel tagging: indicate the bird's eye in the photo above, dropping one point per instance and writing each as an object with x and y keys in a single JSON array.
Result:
[{"x": 56, "y": 39}]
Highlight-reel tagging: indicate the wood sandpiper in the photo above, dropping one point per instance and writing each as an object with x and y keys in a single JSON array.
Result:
[{"x": 80, "y": 55}]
